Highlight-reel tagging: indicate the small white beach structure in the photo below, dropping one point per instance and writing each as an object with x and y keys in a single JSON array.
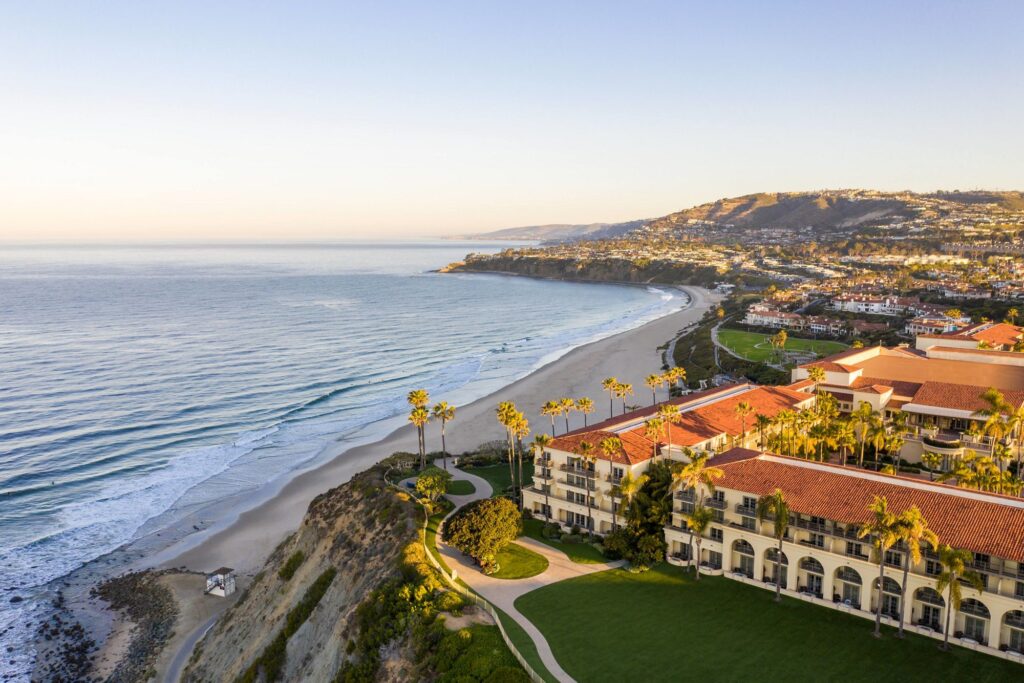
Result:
[{"x": 221, "y": 582}]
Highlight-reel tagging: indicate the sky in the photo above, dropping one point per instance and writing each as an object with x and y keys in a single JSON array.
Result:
[{"x": 307, "y": 120}]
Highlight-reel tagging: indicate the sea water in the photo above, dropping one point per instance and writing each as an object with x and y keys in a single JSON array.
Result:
[{"x": 140, "y": 382}]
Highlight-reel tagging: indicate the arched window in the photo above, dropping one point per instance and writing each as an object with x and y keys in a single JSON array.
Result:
[
  {"x": 1014, "y": 619},
  {"x": 889, "y": 586},
  {"x": 741, "y": 546},
  {"x": 809, "y": 564},
  {"x": 975, "y": 608},
  {"x": 848, "y": 574},
  {"x": 773, "y": 553},
  {"x": 930, "y": 596}
]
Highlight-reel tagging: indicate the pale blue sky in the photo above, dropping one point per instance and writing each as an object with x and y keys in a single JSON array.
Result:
[{"x": 333, "y": 120}]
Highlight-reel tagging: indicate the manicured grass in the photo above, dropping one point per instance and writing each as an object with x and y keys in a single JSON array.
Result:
[
  {"x": 498, "y": 477},
  {"x": 525, "y": 645},
  {"x": 754, "y": 346},
  {"x": 580, "y": 553},
  {"x": 664, "y": 626},
  {"x": 517, "y": 562},
  {"x": 461, "y": 487}
]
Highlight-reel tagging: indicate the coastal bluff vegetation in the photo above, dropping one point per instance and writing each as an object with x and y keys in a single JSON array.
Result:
[{"x": 350, "y": 596}]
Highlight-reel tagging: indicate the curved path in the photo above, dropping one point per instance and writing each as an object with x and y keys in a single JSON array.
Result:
[
  {"x": 184, "y": 653},
  {"x": 504, "y": 592}
]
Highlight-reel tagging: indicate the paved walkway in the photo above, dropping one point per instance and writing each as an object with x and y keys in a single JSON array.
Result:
[{"x": 504, "y": 592}]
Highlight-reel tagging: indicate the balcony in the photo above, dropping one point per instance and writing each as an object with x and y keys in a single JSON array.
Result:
[
  {"x": 578, "y": 471},
  {"x": 715, "y": 504},
  {"x": 748, "y": 510},
  {"x": 688, "y": 496},
  {"x": 581, "y": 485}
]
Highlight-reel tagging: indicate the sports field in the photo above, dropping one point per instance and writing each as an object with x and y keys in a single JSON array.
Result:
[{"x": 756, "y": 347}]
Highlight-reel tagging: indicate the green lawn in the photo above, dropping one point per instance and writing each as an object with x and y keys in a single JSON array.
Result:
[
  {"x": 461, "y": 487},
  {"x": 664, "y": 626},
  {"x": 754, "y": 346},
  {"x": 498, "y": 477},
  {"x": 517, "y": 562},
  {"x": 580, "y": 553},
  {"x": 525, "y": 645}
]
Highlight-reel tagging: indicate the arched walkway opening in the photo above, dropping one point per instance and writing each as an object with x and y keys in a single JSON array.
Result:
[
  {"x": 972, "y": 620},
  {"x": 847, "y": 587},
  {"x": 927, "y": 609},
  {"x": 811, "y": 576},
  {"x": 1013, "y": 631},
  {"x": 770, "y": 570},
  {"x": 743, "y": 558},
  {"x": 889, "y": 599}
]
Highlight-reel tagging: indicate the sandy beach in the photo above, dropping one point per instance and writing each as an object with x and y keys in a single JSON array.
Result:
[{"x": 630, "y": 356}]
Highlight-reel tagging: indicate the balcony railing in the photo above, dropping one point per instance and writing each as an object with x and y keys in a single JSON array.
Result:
[
  {"x": 581, "y": 485},
  {"x": 715, "y": 504},
  {"x": 686, "y": 496},
  {"x": 748, "y": 510},
  {"x": 579, "y": 471}
]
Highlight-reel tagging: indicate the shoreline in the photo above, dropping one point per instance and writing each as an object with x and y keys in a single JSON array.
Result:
[{"x": 245, "y": 542}]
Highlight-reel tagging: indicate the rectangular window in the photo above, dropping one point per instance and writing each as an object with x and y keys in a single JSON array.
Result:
[
  {"x": 618, "y": 472},
  {"x": 818, "y": 540},
  {"x": 749, "y": 502},
  {"x": 894, "y": 558},
  {"x": 715, "y": 559},
  {"x": 981, "y": 561},
  {"x": 716, "y": 535},
  {"x": 1019, "y": 592},
  {"x": 853, "y": 549},
  {"x": 974, "y": 628},
  {"x": 749, "y": 523},
  {"x": 932, "y": 568},
  {"x": 719, "y": 496}
]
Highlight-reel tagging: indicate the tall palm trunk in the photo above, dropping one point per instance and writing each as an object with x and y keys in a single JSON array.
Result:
[
  {"x": 881, "y": 577},
  {"x": 511, "y": 458},
  {"x": 590, "y": 518},
  {"x": 444, "y": 448},
  {"x": 778, "y": 573},
  {"x": 695, "y": 560},
  {"x": 903, "y": 591},
  {"x": 522, "y": 500},
  {"x": 949, "y": 610},
  {"x": 611, "y": 405},
  {"x": 567, "y": 422}
]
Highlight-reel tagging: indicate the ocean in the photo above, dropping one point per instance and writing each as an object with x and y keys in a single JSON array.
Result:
[{"x": 139, "y": 383}]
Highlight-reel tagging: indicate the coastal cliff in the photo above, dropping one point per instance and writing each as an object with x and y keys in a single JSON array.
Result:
[
  {"x": 638, "y": 271},
  {"x": 351, "y": 541}
]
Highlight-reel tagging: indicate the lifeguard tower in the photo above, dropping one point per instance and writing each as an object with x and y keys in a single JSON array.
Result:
[{"x": 221, "y": 582}]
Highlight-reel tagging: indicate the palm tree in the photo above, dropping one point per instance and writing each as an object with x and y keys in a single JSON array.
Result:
[
  {"x": 610, "y": 385},
  {"x": 552, "y": 409},
  {"x": 779, "y": 342},
  {"x": 622, "y": 391},
  {"x": 419, "y": 416},
  {"x": 817, "y": 375},
  {"x": 539, "y": 447},
  {"x": 585, "y": 406},
  {"x": 418, "y": 399},
  {"x": 653, "y": 429},
  {"x": 846, "y": 440},
  {"x": 697, "y": 475},
  {"x": 763, "y": 422},
  {"x": 629, "y": 486},
  {"x": 954, "y": 313},
  {"x": 585, "y": 450},
  {"x": 884, "y": 530},
  {"x": 520, "y": 430},
  {"x": 678, "y": 375},
  {"x": 913, "y": 530},
  {"x": 995, "y": 413},
  {"x": 862, "y": 418},
  {"x": 743, "y": 409},
  {"x": 698, "y": 522},
  {"x": 932, "y": 461},
  {"x": 1011, "y": 316},
  {"x": 444, "y": 412},
  {"x": 773, "y": 506},
  {"x": 567, "y": 405},
  {"x": 955, "y": 568},
  {"x": 879, "y": 434},
  {"x": 507, "y": 414},
  {"x": 669, "y": 412},
  {"x": 653, "y": 382}
]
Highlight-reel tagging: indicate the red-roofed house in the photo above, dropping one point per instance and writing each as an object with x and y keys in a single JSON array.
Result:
[
  {"x": 564, "y": 479},
  {"x": 825, "y": 562}
]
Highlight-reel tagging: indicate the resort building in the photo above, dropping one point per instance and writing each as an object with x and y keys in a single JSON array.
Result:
[
  {"x": 939, "y": 388},
  {"x": 986, "y": 336},
  {"x": 564, "y": 480},
  {"x": 825, "y": 562}
]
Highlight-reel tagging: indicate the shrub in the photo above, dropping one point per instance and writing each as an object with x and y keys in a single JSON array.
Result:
[
  {"x": 291, "y": 565},
  {"x": 483, "y": 528},
  {"x": 433, "y": 483}
]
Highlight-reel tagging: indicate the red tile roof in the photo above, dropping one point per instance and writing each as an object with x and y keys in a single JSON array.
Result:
[
  {"x": 979, "y": 522},
  {"x": 959, "y": 396},
  {"x": 636, "y": 448}
]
